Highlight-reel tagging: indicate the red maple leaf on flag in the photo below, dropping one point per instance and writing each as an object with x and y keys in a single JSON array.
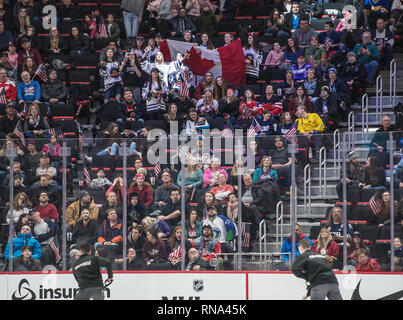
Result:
[{"x": 197, "y": 64}]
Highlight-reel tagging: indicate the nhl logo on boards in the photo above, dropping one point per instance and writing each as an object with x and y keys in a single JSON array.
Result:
[{"x": 198, "y": 285}]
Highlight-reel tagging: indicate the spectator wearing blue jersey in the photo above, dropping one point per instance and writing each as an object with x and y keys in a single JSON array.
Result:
[
  {"x": 335, "y": 224},
  {"x": 267, "y": 123},
  {"x": 300, "y": 69},
  {"x": 28, "y": 90}
]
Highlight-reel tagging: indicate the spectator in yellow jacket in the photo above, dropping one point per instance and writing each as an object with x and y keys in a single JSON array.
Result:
[{"x": 311, "y": 126}]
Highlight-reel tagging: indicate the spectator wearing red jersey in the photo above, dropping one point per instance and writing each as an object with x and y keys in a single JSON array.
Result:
[
  {"x": 143, "y": 189},
  {"x": 7, "y": 85},
  {"x": 248, "y": 107},
  {"x": 271, "y": 102},
  {"x": 326, "y": 246}
]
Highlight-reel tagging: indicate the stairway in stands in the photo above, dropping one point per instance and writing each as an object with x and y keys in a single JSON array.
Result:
[{"x": 321, "y": 202}]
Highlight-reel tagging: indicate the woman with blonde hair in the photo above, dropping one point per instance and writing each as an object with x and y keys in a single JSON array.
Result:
[
  {"x": 22, "y": 22},
  {"x": 54, "y": 45},
  {"x": 326, "y": 246},
  {"x": 163, "y": 229},
  {"x": 36, "y": 126},
  {"x": 265, "y": 171}
]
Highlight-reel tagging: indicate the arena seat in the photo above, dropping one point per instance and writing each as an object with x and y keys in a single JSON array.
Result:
[
  {"x": 61, "y": 110},
  {"x": 369, "y": 232}
]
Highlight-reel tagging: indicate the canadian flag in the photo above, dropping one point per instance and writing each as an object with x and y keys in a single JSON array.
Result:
[{"x": 227, "y": 61}]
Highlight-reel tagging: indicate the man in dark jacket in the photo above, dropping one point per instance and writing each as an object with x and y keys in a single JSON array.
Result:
[
  {"x": 110, "y": 235},
  {"x": 25, "y": 262},
  {"x": 85, "y": 230},
  {"x": 291, "y": 19},
  {"x": 87, "y": 273},
  {"x": 379, "y": 143},
  {"x": 5, "y": 37},
  {"x": 354, "y": 74},
  {"x": 326, "y": 106},
  {"x": 317, "y": 272},
  {"x": 384, "y": 39},
  {"x": 9, "y": 121},
  {"x": 181, "y": 23},
  {"x": 171, "y": 212},
  {"x": 54, "y": 91},
  {"x": 311, "y": 8}
]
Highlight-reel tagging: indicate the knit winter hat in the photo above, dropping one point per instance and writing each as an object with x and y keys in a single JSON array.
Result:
[
  {"x": 332, "y": 69},
  {"x": 83, "y": 193}
]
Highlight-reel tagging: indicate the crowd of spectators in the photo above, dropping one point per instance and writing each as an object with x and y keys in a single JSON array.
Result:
[{"x": 296, "y": 75}]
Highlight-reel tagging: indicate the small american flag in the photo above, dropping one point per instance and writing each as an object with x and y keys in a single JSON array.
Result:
[
  {"x": 254, "y": 128},
  {"x": 86, "y": 174},
  {"x": 327, "y": 43},
  {"x": 55, "y": 249},
  {"x": 80, "y": 136},
  {"x": 41, "y": 73},
  {"x": 19, "y": 132},
  {"x": 157, "y": 169},
  {"x": 102, "y": 31},
  {"x": 57, "y": 132},
  {"x": 79, "y": 109},
  {"x": 24, "y": 113},
  {"x": 3, "y": 99},
  {"x": 292, "y": 134},
  {"x": 228, "y": 131},
  {"x": 246, "y": 228},
  {"x": 184, "y": 90},
  {"x": 375, "y": 204}
]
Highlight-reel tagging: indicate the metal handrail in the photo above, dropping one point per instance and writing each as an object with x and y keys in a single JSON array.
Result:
[
  {"x": 364, "y": 114},
  {"x": 279, "y": 208},
  {"x": 336, "y": 152},
  {"x": 379, "y": 98},
  {"x": 351, "y": 130},
  {"x": 392, "y": 83},
  {"x": 307, "y": 192},
  {"x": 262, "y": 238},
  {"x": 322, "y": 166}
]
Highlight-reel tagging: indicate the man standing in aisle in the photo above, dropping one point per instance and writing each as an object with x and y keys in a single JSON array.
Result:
[
  {"x": 132, "y": 15},
  {"x": 86, "y": 271},
  {"x": 317, "y": 272}
]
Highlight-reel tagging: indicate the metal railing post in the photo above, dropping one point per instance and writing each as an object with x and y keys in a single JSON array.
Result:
[
  {"x": 279, "y": 208},
  {"x": 364, "y": 114},
  {"x": 392, "y": 83},
  {"x": 379, "y": 98},
  {"x": 392, "y": 147},
  {"x": 336, "y": 152},
  {"x": 262, "y": 240},
  {"x": 322, "y": 167},
  {"x": 307, "y": 191},
  {"x": 351, "y": 130}
]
